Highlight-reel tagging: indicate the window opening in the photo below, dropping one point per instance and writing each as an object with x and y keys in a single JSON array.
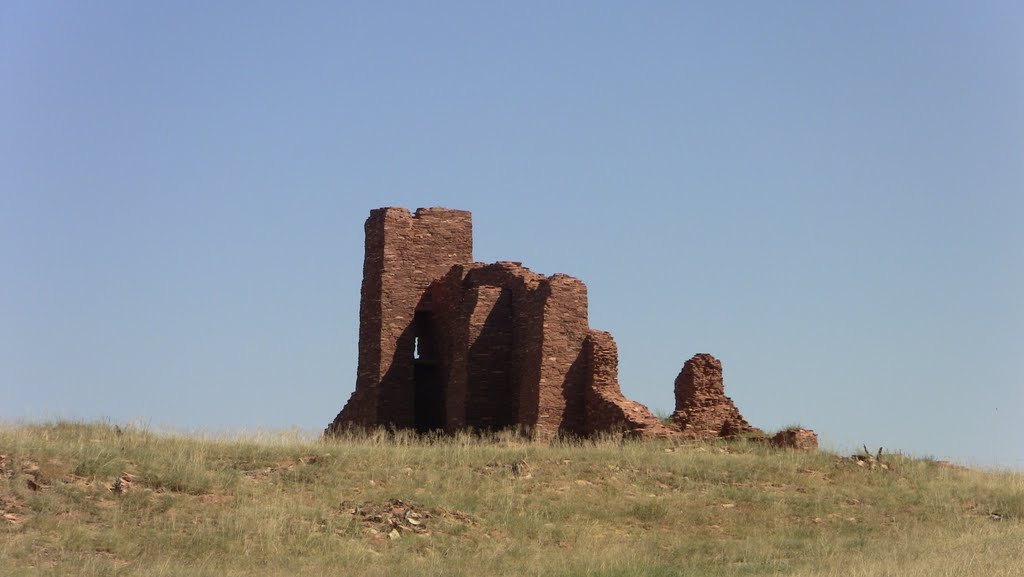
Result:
[{"x": 423, "y": 343}]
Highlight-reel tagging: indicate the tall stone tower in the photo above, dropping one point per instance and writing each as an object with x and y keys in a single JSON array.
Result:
[{"x": 405, "y": 253}]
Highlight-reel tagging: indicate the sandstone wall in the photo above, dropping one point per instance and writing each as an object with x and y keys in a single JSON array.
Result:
[
  {"x": 702, "y": 409},
  {"x": 491, "y": 401},
  {"x": 501, "y": 341},
  {"x": 606, "y": 409},
  {"x": 563, "y": 376},
  {"x": 490, "y": 321},
  {"x": 405, "y": 253},
  {"x": 447, "y": 296}
]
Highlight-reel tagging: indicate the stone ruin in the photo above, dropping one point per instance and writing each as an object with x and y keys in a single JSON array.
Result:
[
  {"x": 702, "y": 409},
  {"x": 449, "y": 344}
]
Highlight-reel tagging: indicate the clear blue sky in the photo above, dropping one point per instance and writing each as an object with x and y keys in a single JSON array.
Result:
[{"x": 827, "y": 196}]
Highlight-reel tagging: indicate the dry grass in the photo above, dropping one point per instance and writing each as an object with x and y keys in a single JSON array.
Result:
[{"x": 287, "y": 504}]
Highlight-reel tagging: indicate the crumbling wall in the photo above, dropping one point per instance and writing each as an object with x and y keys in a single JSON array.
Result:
[
  {"x": 606, "y": 407},
  {"x": 702, "y": 409}
]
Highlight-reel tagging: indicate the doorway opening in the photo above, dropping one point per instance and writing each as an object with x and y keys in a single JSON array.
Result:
[{"x": 428, "y": 390}]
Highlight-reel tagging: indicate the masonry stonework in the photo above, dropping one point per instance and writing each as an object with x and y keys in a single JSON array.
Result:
[
  {"x": 446, "y": 343},
  {"x": 702, "y": 409},
  {"x": 606, "y": 408},
  {"x": 405, "y": 253}
]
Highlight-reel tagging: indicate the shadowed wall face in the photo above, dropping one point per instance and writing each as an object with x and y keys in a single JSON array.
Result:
[
  {"x": 563, "y": 367},
  {"x": 491, "y": 371},
  {"x": 501, "y": 322}
]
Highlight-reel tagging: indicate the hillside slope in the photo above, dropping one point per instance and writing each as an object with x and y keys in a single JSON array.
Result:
[{"x": 92, "y": 499}]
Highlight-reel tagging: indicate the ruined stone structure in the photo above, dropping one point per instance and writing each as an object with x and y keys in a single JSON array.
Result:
[
  {"x": 702, "y": 409},
  {"x": 446, "y": 343},
  {"x": 796, "y": 438}
]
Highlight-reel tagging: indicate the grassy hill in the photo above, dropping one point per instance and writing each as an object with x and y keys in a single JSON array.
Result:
[{"x": 92, "y": 499}]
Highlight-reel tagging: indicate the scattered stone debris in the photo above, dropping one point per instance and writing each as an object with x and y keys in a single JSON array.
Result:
[
  {"x": 796, "y": 438},
  {"x": 84, "y": 483},
  {"x": 974, "y": 507},
  {"x": 456, "y": 515},
  {"x": 11, "y": 510},
  {"x": 123, "y": 483},
  {"x": 866, "y": 459},
  {"x": 288, "y": 464},
  {"x": 35, "y": 480},
  {"x": 398, "y": 517},
  {"x": 391, "y": 519}
]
